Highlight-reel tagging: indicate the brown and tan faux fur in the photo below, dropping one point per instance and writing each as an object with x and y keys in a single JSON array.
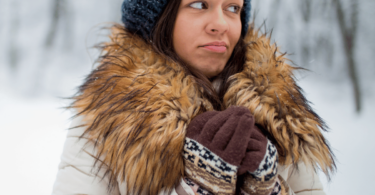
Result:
[{"x": 137, "y": 105}]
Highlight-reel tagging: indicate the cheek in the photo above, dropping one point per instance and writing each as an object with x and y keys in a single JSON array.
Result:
[
  {"x": 235, "y": 33},
  {"x": 185, "y": 34},
  {"x": 181, "y": 35}
]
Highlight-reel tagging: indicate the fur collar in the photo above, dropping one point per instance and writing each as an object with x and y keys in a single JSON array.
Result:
[{"x": 137, "y": 105}]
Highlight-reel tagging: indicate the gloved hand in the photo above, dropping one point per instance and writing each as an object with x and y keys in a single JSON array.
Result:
[
  {"x": 219, "y": 145},
  {"x": 260, "y": 167},
  {"x": 225, "y": 133},
  {"x": 261, "y": 157}
]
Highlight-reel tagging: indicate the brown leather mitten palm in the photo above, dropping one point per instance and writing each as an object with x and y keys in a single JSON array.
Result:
[{"x": 216, "y": 144}]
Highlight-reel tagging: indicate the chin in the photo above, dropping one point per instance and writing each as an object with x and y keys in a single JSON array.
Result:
[
  {"x": 209, "y": 69},
  {"x": 213, "y": 73}
]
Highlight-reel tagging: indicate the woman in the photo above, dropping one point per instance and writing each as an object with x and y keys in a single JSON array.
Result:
[{"x": 185, "y": 100}]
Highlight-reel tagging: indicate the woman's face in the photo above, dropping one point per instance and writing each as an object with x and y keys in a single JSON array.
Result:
[{"x": 206, "y": 32}]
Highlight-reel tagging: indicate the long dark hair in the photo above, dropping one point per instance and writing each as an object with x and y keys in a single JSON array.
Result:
[{"x": 162, "y": 39}]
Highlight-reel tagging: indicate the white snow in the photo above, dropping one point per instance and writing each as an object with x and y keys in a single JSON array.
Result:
[
  {"x": 351, "y": 136},
  {"x": 33, "y": 131}
]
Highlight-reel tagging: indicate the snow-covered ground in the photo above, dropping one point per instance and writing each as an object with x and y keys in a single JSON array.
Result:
[
  {"x": 33, "y": 132},
  {"x": 351, "y": 136},
  {"x": 32, "y": 136}
]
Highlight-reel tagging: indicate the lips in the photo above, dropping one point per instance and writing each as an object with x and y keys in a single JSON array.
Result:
[{"x": 217, "y": 46}]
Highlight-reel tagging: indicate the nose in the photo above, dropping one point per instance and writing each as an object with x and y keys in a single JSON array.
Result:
[{"x": 217, "y": 23}]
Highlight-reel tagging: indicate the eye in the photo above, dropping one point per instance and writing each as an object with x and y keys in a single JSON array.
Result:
[
  {"x": 198, "y": 5},
  {"x": 234, "y": 8}
]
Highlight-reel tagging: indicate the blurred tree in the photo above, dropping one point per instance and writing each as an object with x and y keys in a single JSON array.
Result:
[
  {"x": 348, "y": 32},
  {"x": 14, "y": 28},
  {"x": 274, "y": 13},
  {"x": 305, "y": 7},
  {"x": 322, "y": 42},
  {"x": 59, "y": 13}
]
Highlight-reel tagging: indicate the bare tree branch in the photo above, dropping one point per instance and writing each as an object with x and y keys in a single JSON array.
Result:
[
  {"x": 306, "y": 9},
  {"x": 13, "y": 47},
  {"x": 58, "y": 11},
  {"x": 273, "y": 15},
  {"x": 348, "y": 33},
  {"x": 354, "y": 17}
]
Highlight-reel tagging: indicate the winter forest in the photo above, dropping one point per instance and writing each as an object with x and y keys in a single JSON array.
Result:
[{"x": 47, "y": 48}]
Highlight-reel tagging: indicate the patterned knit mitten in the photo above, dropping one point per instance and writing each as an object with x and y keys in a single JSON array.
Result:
[
  {"x": 215, "y": 145},
  {"x": 260, "y": 162},
  {"x": 251, "y": 186},
  {"x": 261, "y": 156}
]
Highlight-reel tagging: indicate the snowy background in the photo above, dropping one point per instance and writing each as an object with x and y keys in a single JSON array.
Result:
[{"x": 35, "y": 73}]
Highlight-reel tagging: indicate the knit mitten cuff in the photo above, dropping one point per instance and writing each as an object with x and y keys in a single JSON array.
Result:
[
  {"x": 208, "y": 170},
  {"x": 275, "y": 186},
  {"x": 268, "y": 167}
]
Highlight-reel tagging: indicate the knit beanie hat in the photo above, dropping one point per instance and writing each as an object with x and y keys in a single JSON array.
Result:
[{"x": 140, "y": 16}]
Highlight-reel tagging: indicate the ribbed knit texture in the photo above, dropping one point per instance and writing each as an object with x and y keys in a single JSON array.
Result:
[{"x": 140, "y": 16}]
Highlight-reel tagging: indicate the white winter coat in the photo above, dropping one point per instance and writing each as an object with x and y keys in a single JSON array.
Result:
[{"x": 76, "y": 174}]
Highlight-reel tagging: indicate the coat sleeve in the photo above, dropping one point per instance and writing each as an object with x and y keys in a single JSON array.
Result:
[
  {"x": 301, "y": 181},
  {"x": 76, "y": 174}
]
